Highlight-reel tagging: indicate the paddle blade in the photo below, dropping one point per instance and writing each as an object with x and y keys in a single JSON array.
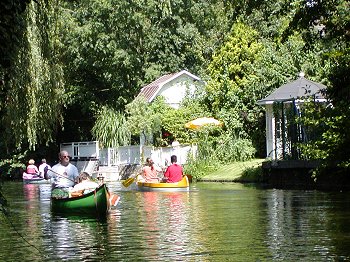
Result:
[
  {"x": 128, "y": 181},
  {"x": 114, "y": 199}
]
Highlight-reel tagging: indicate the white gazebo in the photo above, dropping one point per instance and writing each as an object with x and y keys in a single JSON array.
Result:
[{"x": 290, "y": 96}]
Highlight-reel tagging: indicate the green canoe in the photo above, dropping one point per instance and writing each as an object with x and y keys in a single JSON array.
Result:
[{"x": 95, "y": 202}]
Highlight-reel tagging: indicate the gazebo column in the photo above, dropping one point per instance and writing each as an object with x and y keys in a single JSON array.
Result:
[{"x": 270, "y": 132}]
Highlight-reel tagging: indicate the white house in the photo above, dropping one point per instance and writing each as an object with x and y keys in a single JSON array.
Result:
[
  {"x": 280, "y": 138},
  {"x": 173, "y": 87}
]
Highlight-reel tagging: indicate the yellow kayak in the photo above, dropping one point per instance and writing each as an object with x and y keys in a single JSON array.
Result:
[{"x": 182, "y": 185}]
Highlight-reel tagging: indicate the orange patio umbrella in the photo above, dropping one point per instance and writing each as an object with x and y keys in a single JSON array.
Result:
[{"x": 202, "y": 121}]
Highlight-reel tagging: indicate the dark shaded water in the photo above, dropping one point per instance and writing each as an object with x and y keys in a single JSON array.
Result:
[{"x": 212, "y": 222}]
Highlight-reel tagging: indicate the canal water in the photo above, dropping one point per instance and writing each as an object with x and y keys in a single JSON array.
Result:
[{"x": 211, "y": 222}]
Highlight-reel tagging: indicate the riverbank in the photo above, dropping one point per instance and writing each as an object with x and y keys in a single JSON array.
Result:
[
  {"x": 282, "y": 175},
  {"x": 244, "y": 172}
]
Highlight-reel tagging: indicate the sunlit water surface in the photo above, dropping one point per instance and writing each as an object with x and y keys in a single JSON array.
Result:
[{"x": 211, "y": 222}]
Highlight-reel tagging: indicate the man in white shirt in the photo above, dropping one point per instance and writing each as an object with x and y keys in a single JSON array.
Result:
[
  {"x": 64, "y": 173},
  {"x": 42, "y": 167}
]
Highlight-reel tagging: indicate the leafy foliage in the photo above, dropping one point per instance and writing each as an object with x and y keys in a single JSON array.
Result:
[
  {"x": 333, "y": 124},
  {"x": 33, "y": 82},
  {"x": 12, "y": 167},
  {"x": 111, "y": 48},
  {"x": 175, "y": 119},
  {"x": 332, "y": 19},
  {"x": 110, "y": 128},
  {"x": 143, "y": 119},
  {"x": 155, "y": 119},
  {"x": 230, "y": 67},
  {"x": 198, "y": 167}
]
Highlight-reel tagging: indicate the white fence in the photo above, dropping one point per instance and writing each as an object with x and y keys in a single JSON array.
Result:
[{"x": 128, "y": 154}]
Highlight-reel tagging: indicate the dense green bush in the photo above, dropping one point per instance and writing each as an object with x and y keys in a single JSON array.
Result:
[
  {"x": 215, "y": 151},
  {"x": 11, "y": 168}
]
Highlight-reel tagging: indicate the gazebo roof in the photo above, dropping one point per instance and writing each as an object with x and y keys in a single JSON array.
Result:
[{"x": 297, "y": 89}]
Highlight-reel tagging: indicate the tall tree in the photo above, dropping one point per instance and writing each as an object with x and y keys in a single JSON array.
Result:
[
  {"x": 32, "y": 85},
  {"x": 249, "y": 67},
  {"x": 227, "y": 91},
  {"x": 112, "y": 48},
  {"x": 331, "y": 20}
]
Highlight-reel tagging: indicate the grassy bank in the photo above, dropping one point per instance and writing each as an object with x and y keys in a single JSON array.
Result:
[{"x": 248, "y": 171}]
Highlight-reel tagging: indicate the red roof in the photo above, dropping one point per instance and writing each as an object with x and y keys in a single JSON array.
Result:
[{"x": 151, "y": 89}]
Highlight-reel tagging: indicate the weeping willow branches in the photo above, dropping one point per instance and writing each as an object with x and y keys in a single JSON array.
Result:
[
  {"x": 110, "y": 128},
  {"x": 34, "y": 83}
]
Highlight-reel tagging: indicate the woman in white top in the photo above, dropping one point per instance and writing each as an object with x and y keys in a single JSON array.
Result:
[{"x": 85, "y": 184}]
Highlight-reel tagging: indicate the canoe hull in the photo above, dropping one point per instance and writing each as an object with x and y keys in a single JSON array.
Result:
[
  {"x": 95, "y": 202},
  {"x": 34, "y": 179},
  {"x": 182, "y": 185}
]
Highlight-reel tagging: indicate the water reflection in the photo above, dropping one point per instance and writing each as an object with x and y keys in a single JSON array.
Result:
[
  {"x": 177, "y": 221},
  {"x": 163, "y": 222},
  {"x": 298, "y": 225},
  {"x": 211, "y": 222},
  {"x": 74, "y": 237},
  {"x": 30, "y": 191},
  {"x": 82, "y": 237}
]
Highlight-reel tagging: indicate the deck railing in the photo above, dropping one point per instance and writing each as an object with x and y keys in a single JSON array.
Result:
[{"x": 122, "y": 155}]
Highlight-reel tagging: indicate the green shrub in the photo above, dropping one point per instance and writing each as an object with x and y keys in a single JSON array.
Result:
[
  {"x": 252, "y": 174},
  {"x": 212, "y": 154},
  {"x": 231, "y": 150},
  {"x": 11, "y": 168}
]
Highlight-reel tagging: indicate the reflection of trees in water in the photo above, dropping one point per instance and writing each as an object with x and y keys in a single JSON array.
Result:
[
  {"x": 294, "y": 219},
  {"x": 83, "y": 238}
]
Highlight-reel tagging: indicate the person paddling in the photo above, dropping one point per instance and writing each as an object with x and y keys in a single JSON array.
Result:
[
  {"x": 174, "y": 172},
  {"x": 150, "y": 171},
  {"x": 64, "y": 176}
]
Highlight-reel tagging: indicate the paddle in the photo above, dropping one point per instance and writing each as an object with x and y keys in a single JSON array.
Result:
[
  {"x": 129, "y": 181},
  {"x": 63, "y": 176}
]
